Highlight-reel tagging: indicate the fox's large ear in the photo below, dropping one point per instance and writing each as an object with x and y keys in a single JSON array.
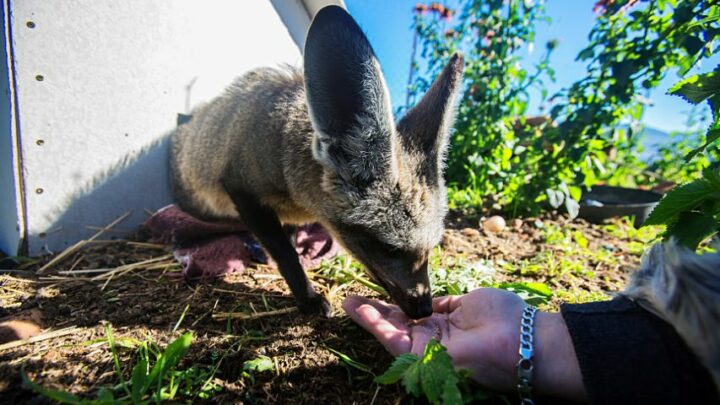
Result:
[
  {"x": 348, "y": 100},
  {"x": 426, "y": 127}
]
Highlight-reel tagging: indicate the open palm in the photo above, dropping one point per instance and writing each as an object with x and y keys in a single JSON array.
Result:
[
  {"x": 479, "y": 330},
  {"x": 481, "y": 333}
]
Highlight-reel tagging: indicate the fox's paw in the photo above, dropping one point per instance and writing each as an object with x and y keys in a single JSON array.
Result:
[{"x": 315, "y": 305}]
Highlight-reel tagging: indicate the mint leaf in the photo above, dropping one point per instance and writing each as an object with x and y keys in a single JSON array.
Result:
[
  {"x": 692, "y": 228},
  {"x": 433, "y": 375},
  {"x": 451, "y": 393},
  {"x": 713, "y": 176},
  {"x": 411, "y": 379},
  {"x": 713, "y": 133},
  {"x": 437, "y": 375},
  {"x": 698, "y": 88},
  {"x": 684, "y": 198},
  {"x": 396, "y": 370}
]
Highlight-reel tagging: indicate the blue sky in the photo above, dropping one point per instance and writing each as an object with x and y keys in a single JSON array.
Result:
[{"x": 387, "y": 25}]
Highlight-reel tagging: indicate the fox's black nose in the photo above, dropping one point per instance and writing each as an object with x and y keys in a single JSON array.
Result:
[{"x": 419, "y": 307}]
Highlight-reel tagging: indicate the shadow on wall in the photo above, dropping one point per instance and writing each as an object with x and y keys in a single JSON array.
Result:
[{"x": 138, "y": 183}]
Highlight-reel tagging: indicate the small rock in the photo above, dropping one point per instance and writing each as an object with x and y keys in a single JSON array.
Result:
[
  {"x": 494, "y": 224},
  {"x": 516, "y": 223}
]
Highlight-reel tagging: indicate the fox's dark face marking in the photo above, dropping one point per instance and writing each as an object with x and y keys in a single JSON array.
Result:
[
  {"x": 388, "y": 197},
  {"x": 401, "y": 270}
]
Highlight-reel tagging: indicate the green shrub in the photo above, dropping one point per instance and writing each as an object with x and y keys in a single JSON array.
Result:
[
  {"x": 500, "y": 159},
  {"x": 691, "y": 212}
]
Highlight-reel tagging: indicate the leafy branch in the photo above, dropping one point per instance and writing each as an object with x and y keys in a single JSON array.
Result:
[{"x": 691, "y": 212}]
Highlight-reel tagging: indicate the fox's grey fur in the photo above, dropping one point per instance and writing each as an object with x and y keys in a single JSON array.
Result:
[
  {"x": 281, "y": 146},
  {"x": 683, "y": 288}
]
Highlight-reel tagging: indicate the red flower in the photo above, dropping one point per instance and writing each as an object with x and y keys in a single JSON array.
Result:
[
  {"x": 602, "y": 6},
  {"x": 446, "y": 14}
]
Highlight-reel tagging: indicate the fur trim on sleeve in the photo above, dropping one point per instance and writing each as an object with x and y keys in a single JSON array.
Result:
[{"x": 683, "y": 288}]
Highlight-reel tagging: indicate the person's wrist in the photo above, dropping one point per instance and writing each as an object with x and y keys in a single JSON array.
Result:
[{"x": 557, "y": 372}]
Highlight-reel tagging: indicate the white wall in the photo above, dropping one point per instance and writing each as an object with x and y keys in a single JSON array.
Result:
[
  {"x": 114, "y": 76},
  {"x": 10, "y": 210}
]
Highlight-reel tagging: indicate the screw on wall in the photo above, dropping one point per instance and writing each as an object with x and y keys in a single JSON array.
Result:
[
  {"x": 40, "y": 142},
  {"x": 39, "y": 190},
  {"x": 30, "y": 24},
  {"x": 39, "y": 78}
]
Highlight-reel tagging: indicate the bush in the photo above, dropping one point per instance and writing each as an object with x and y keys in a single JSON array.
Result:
[
  {"x": 498, "y": 157},
  {"x": 691, "y": 212}
]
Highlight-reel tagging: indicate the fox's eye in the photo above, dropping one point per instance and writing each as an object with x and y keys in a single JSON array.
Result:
[
  {"x": 369, "y": 241},
  {"x": 388, "y": 247},
  {"x": 374, "y": 243}
]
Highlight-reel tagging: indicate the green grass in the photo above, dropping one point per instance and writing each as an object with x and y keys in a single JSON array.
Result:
[
  {"x": 158, "y": 374},
  {"x": 155, "y": 375}
]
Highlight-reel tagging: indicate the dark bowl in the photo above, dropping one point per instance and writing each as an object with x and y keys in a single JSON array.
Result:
[{"x": 602, "y": 202}]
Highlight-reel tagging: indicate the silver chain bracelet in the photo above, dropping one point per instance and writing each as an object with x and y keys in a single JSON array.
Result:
[{"x": 525, "y": 365}]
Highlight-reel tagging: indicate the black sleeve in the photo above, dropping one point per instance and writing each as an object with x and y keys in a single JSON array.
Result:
[{"x": 629, "y": 356}]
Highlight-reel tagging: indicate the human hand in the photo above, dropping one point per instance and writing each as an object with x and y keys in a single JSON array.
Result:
[{"x": 481, "y": 331}]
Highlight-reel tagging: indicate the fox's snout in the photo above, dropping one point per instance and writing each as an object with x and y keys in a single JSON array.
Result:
[
  {"x": 418, "y": 307},
  {"x": 409, "y": 288},
  {"x": 415, "y": 301}
]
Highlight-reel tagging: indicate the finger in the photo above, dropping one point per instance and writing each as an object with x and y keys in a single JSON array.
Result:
[
  {"x": 447, "y": 304},
  {"x": 354, "y": 301},
  {"x": 435, "y": 327},
  {"x": 420, "y": 336},
  {"x": 452, "y": 307},
  {"x": 395, "y": 338},
  {"x": 392, "y": 313}
]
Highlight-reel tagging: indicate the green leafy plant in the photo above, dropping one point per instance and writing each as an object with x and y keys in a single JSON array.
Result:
[
  {"x": 533, "y": 293},
  {"x": 502, "y": 159},
  {"x": 697, "y": 89},
  {"x": 433, "y": 376},
  {"x": 490, "y": 139},
  {"x": 257, "y": 365},
  {"x": 154, "y": 378},
  {"x": 666, "y": 167},
  {"x": 349, "y": 361},
  {"x": 632, "y": 48},
  {"x": 691, "y": 212},
  {"x": 456, "y": 276}
]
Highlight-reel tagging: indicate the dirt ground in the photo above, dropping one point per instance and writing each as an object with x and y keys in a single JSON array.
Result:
[{"x": 148, "y": 302}]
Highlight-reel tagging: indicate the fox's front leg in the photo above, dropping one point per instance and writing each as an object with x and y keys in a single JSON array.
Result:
[{"x": 265, "y": 225}]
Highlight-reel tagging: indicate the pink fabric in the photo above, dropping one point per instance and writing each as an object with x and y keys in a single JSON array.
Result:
[
  {"x": 313, "y": 245},
  {"x": 207, "y": 249}
]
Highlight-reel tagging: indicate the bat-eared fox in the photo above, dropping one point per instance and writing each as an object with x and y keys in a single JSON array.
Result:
[{"x": 282, "y": 146}]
